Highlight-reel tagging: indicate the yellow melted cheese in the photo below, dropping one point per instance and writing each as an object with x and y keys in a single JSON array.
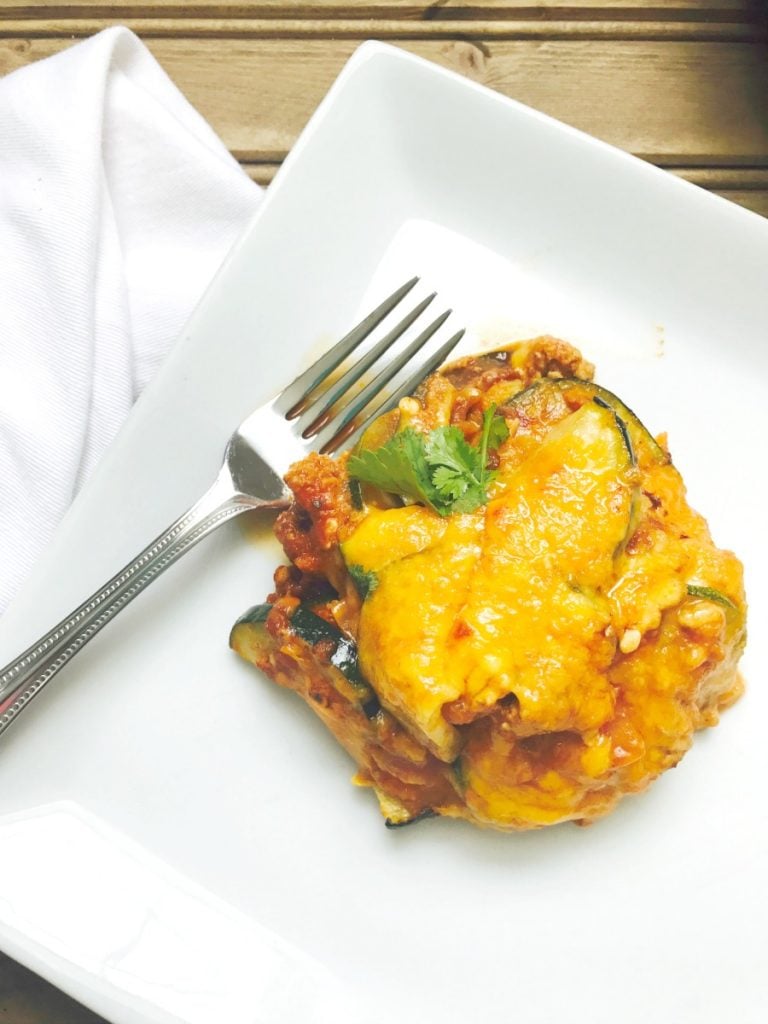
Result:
[{"x": 506, "y": 600}]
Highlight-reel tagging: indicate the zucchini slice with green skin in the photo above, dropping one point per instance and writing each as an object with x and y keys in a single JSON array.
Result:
[
  {"x": 710, "y": 594},
  {"x": 365, "y": 580},
  {"x": 249, "y": 637},
  {"x": 312, "y": 629},
  {"x": 735, "y": 616},
  {"x": 258, "y": 613},
  {"x": 623, "y": 428},
  {"x": 387, "y": 535},
  {"x": 635, "y": 509},
  {"x": 644, "y": 445},
  {"x": 421, "y": 816},
  {"x": 356, "y": 494}
]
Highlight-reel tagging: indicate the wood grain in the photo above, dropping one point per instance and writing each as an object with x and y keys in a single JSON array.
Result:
[
  {"x": 724, "y": 20},
  {"x": 388, "y": 28},
  {"x": 656, "y": 10},
  {"x": 26, "y": 999},
  {"x": 684, "y": 103},
  {"x": 756, "y": 201}
]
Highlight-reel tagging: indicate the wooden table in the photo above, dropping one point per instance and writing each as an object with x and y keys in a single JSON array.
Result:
[{"x": 683, "y": 83}]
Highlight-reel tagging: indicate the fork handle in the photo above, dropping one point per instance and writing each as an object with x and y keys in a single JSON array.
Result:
[{"x": 24, "y": 678}]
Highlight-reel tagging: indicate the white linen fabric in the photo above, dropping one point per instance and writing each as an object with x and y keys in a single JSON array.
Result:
[{"x": 117, "y": 205}]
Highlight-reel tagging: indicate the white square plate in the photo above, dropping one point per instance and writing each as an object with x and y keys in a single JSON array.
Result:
[{"x": 178, "y": 837}]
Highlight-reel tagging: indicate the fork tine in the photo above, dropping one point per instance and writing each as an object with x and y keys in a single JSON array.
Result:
[
  {"x": 318, "y": 417},
  {"x": 405, "y": 389},
  {"x": 291, "y": 399},
  {"x": 359, "y": 402}
]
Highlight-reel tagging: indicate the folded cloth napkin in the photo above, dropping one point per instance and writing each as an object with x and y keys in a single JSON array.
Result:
[{"x": 117, "y": 205}]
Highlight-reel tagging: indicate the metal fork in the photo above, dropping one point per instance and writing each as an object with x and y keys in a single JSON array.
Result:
[{"x": 304, "y": 417}]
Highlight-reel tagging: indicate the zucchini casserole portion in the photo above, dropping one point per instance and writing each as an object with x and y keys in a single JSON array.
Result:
[{"x": 501, "y": 603}]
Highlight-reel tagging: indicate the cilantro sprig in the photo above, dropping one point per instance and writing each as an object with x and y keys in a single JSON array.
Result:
[{"x": 440, "y": 469}]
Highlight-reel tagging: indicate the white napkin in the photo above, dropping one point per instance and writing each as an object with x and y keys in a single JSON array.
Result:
[{"x": 117, "y": 205}]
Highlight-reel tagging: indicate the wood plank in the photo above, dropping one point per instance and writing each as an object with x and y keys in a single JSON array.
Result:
[
  {"x": 261, "y": 173},
  {"x": 742, "y": 179},
  {"x": 494, "y": 9},
  {"x": 752, "y": 199},
  {"x": 682, "y": 103},
  {"x": 389, "y": 28},
  {"x": 27, "y": 999}
]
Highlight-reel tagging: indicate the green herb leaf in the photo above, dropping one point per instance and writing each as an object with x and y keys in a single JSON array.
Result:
[
  {"x": 449, "y": 482},
  {"x": 456, "y": 471},
  {"x": 397, "y": 467},
  {"x": 439, "y": 469}
]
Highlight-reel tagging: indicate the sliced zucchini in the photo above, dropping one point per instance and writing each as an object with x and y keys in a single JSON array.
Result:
[
  {"x": 379, "y": 432},
  {"x": 587, "y": 507},
  {"x": 313, "y": 629},
  {"x": 365, "y": 580},
  {"x": 623, "y": 428},
  {"x": 249, "y": 635},
  {"x": 459, "y": 774},
  {"x": 710, "y": 594},
  {"x": 258, "y": 613},
  {"x": 421, "y": 816},
  {"x": 356, "y": 494},
  {"x": 643, "y": 444},
  {"x": 735, "y": 616},
  {"x": 250, "y": 638},
  {"x": 387, "y": 535}
]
